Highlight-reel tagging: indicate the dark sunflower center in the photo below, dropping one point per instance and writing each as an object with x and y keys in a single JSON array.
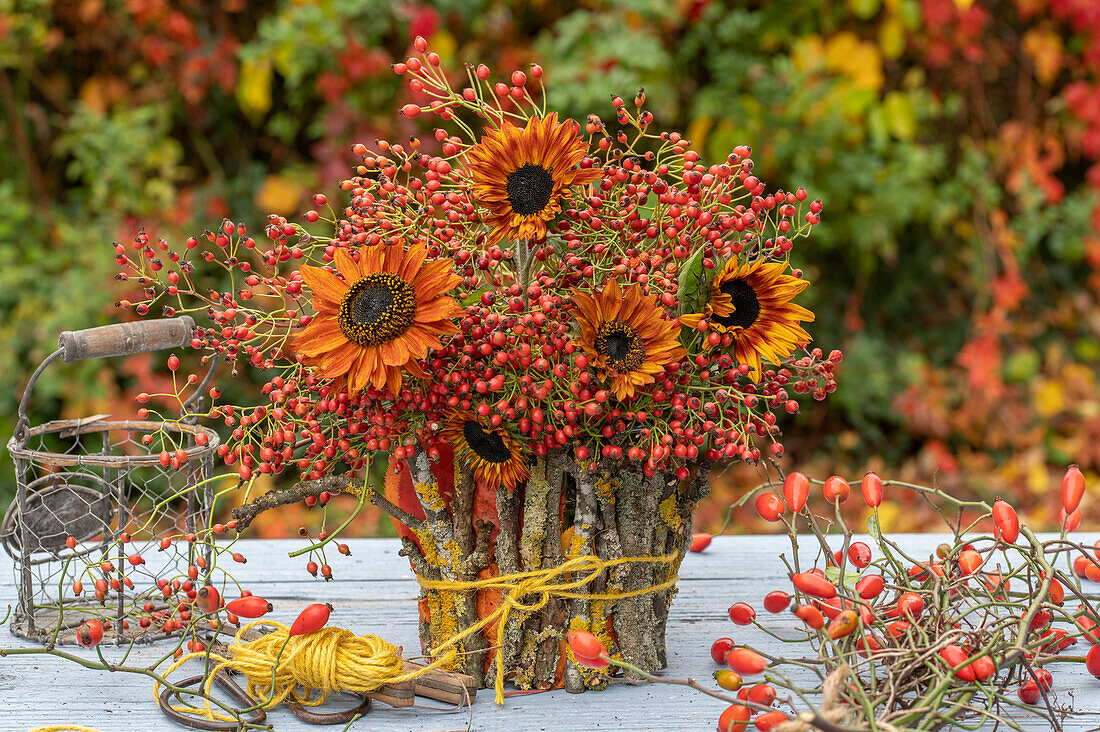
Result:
[
  {"x": 377, "y": 309},
  {"x": 529, "y": 188},
  {"x": 488, "y": 446},
  {"x": 620, "y": 345},
  {"x": 745, "y": 302}
]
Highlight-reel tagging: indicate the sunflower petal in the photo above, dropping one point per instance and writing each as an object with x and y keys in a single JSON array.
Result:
[{"x": 323, "y": 284}]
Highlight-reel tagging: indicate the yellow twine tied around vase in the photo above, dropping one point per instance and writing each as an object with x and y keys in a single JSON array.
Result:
[
  {"x": 560, "y": 581},
  {"x": 331, "y": 660}
]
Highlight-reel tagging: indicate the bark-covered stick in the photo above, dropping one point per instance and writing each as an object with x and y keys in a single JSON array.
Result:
[
  {"x": 554, "y": 614},
  {"x": 635, "y": 621},
  {"x": 348, "y": 483},
  {"x": 584, "y": 529}
]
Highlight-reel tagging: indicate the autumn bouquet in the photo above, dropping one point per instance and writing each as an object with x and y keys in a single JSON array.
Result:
[{"x": 529, "y": 340}]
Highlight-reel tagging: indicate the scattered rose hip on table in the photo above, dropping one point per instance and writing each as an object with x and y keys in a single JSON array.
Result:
[
  {"x": 776, "y": 601},
  {"x": 1029, "y": 693},
  {"x": 870, "y": 586},
  {"x": 208, "y": 599},
  {"x": 720, "y": 648},
  {"x": 762, "y": 694},
  {"x": 699, "y": 542},
  {"x": 770, "y": 720},
  {"x": 813, "y": 584},
  {"x": 844, "y": 624},
  {"x": 746, "y": 661},
  {"x": 250, "y": 606},
  {"x": 742, "y": 613},
  {"x": 1092, "y": 661},
  {"x": 810, "y": 615},
  {"x": 729, "y": 680},
  {"x": 89, "y": 633},
  {"x": 859, "y": 554},
  {"x": 736, "y": 717}
]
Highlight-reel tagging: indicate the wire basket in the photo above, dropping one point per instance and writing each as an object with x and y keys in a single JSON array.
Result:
[{"x": 94, "y": 499}]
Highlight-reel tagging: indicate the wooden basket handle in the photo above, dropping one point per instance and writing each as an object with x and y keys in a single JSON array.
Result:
[{"x": 124, "y": 339}]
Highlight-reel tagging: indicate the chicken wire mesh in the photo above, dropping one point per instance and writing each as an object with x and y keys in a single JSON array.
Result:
[{"x": 94, "y": 500}]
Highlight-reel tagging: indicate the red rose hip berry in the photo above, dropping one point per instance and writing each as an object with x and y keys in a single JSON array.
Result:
[
  {"x": 777, "y": 601},
  {"x": 719, "y": 649},
  {"x": 742, "y": 613}
]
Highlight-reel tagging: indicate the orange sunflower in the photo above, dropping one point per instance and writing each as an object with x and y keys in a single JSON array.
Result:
[
  {"x": 752, "y": 302},
  {"x": 520, "y": 175},
  {"x": 493, "y": 455},
  {"x": 378, "y": 316},
  {"x": 627, "y": 336}
]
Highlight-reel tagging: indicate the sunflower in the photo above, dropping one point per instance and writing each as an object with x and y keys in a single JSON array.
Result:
[
  {"x": 377, "y": 316},
  {"x": 520, "y": 175},
  {"x": 627, "y": 335},
  {"x": 490, "y": 452},
  {"x": 752, "y": 302}
]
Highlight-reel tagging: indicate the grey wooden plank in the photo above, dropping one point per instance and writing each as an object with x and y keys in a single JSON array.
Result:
[{"x": 374, "y": 594}]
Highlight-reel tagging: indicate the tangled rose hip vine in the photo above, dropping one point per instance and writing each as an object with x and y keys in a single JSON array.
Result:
[{"x": 904, "y": 642}]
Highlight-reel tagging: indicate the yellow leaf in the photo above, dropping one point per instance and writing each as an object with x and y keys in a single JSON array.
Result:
[
  {"x": 888, "y": 515},
  {"x": 808, "y": 53},
  {"x": 864, "y": 9},
  {"x": 443, "y": 43},
  {"x": 277, "y": 195},
  {"x": 566, "y": 539},
  {"x": 254, "y": 87},
  {"x": 900, "y": 115},
  {"x": 963, "y": 4},
  {"x": 839, "y": 50},
  {"x": 1047, "y": 53},
  {"x": 891, "y": 37},
  {"x": 99, "y": 93},
  {"x": 698, "y": 130},
  {"x": 1048, "y": 397},
  {"x": 860, "y": 61},
  {"x": 1038, "y": 479}
]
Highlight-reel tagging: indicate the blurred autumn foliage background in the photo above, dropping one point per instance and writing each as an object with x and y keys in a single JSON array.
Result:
[{"x": 955, "y": 144}]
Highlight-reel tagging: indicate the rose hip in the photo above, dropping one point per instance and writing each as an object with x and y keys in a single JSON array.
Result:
[{"x": 742, "y": 613}]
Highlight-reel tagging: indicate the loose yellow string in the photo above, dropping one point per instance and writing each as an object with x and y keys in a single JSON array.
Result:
[
  {"x": 335, "y": 660},
  {"x": 63, "y": 728},
  {"x": 322, "y": 662}
]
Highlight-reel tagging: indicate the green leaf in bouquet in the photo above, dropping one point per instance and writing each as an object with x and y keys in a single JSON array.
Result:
[{"x": 693, "y": 281}]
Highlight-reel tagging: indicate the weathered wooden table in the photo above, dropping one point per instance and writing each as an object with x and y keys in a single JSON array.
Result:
[{"x": 373, "y": 592}]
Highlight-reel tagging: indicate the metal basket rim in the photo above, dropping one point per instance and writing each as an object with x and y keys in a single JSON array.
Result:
[{"x": 81, "y": 427}]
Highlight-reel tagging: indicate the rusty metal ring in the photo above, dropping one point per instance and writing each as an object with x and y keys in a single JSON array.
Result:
[
  {"x": 343, "y": 717},
  {"x": 229, "y": 686}
]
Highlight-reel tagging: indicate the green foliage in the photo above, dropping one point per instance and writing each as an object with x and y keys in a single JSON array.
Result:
[{"x": 125, "y": 161}]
